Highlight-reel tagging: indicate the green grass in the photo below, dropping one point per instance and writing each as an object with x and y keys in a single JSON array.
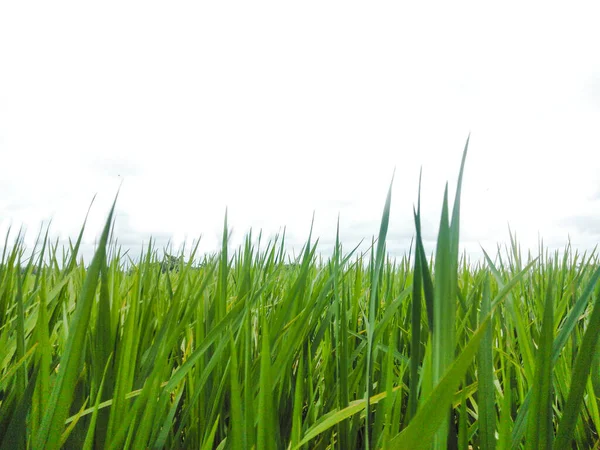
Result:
[{"x": 249, "y": 351}]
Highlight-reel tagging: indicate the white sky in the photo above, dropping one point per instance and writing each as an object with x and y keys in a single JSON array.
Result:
[{"x": 278, "y": 109}]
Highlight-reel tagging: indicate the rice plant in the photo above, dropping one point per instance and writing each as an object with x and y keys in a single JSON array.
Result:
[{"x": 250, "y": 349}]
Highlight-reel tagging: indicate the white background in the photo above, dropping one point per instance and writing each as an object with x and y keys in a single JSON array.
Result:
[{"x": 279, "y": 109}]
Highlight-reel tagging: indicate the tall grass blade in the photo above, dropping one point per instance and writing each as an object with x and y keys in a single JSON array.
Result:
[
  {"x": 485, "y": 375},
  {"x": 415, "y": 353},
  {"x": 540, "y": 432},
  {"x": 373, "y": 300},
  {"x": 443, "y": 314},
  {"x": 266, "y": 420},
  {"x": 53, "y": 422},
  {"x": 430, "y": 418}
]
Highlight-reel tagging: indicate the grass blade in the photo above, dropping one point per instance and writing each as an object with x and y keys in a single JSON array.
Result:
[
  {"x": 581, "y": 372},
  {"x": 430, "y": 418},
  {"x": 53, "y": 422}
]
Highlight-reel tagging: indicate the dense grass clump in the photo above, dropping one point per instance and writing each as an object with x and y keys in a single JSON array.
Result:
[{"x": 246, "y": 350}]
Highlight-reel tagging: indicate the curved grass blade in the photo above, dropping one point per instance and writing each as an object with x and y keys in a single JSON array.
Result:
[
  {"x": 430, "y": 417},
  {"x": 89, "y": 439},
  {"x": 53, "y": 422},
  {"x": 539, "y": 430},
  {"x": 415, "y": 347},
  {"x": 567, "y": 327},
  {"x": 373, "y": 299},
  {"x": 444, "y": 312},
  {"x": 581, "y": 371},
  {"x": 336, "y": 416}
]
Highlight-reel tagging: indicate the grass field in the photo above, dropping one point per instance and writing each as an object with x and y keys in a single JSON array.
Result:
[{"x": 248, "y": 351}]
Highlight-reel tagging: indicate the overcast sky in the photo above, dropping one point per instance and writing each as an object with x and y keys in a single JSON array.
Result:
[{"x": 279, "y": 109}]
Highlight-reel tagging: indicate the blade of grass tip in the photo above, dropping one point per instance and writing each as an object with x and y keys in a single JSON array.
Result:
[
  {"x": 427, "y": 285},
  {"x": 42, "y": 254},
  {"x": 486, "y": 393},
  {"x": 372, "y": 306},
  {"x": 540, "y": 415},
  {"x": 53, "y": 422},
  {"x": 425, "y": 272},
  {"x": 210, "y": 439},
  {"x": 22, "y": 372},
  {"x": 342, "y": 341},
  {"x": 5, "y": 248},
  {"x": 455, "y": 223},
  {"x": 65, "y": 435},
  {"x": 104, "y": 344},
  {"x": 67, "y": 267},
  {"x": 581, "y": 371},
  {"x": 443, "y": 313},
  {"x": 455, "y": 230},
  {"x": 415, "y": 345},
  {"x": 73, "y": 260},
  {"x": 223, "y": 273}
]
